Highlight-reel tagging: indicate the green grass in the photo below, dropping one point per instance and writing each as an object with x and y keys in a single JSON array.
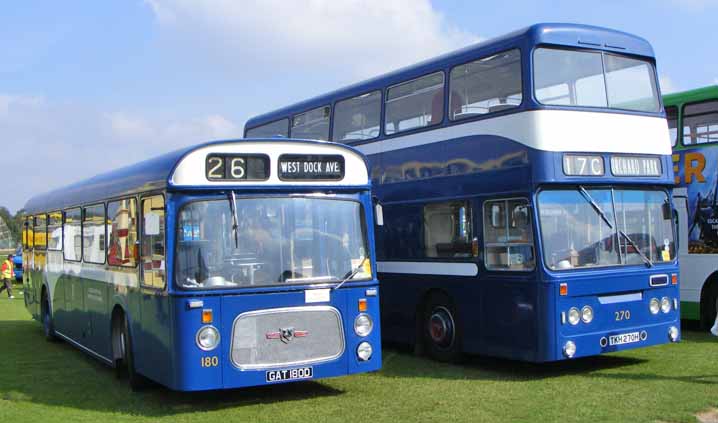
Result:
[{"x": 48, "y": 382}]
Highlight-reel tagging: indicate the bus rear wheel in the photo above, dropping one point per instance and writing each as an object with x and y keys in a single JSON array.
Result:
[
  {"x": 127, "y": 363},
  {"x": 441, "y": 329}
]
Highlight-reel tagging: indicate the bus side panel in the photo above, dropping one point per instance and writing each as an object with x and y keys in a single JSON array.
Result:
[
  {"x": 510, "y": 315},
  {"x": 152, "y": 336},
  {"x": 96, "y": 294}
]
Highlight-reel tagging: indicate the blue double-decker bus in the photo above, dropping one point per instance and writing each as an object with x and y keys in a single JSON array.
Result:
[
  {"x": 228, "y": 264},
  {"x": 525, "y": 189}
]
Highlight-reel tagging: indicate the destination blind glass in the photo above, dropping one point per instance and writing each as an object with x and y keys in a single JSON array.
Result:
[
  {"x": 311, "y": 167},
  {"x": 636, "y": 166},
  {"x": 232, "y": 167}
]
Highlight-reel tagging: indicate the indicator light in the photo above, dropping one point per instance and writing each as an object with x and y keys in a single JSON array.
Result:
[{"x": 207, "y": 316}]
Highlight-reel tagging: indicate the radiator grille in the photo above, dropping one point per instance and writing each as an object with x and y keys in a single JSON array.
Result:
[{"x": 287, "y": 336}]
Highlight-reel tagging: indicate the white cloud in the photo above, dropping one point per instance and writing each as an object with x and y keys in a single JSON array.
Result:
[
  {"x": 357, "y": 37},
  {"x": 56, "y": 143},
  {"x": 667, "y": 85}
]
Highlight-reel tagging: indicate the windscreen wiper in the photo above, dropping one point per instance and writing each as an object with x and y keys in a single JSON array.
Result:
[
  {"x": 235, "y": 220},
  {"x": 595, "y": 205},
  {"x": 646, "y": 260},
  {"x": 351, "y": 274}
]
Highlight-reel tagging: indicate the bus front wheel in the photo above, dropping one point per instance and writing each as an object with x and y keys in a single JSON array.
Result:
[
  {"x": 441, "y": 329},
  {"x": 137, "y": 381},
  {"x": 709, "y": 308}
]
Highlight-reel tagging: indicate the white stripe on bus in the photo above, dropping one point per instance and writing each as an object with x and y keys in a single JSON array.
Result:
[
  {"x": 552, "y": 130},
  {"x": 428, "y": 268}
]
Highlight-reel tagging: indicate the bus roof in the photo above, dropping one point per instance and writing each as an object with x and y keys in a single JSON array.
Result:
[
  {"x": 563, "y": 34},
  {"x": 699, "y": 94},
  {"x": 161, "y": 173}
]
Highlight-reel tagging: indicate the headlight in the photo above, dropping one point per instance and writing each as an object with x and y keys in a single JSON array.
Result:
[
  {"x": 587, "y": 314},
  {"x": 569, "y": 349},
  {"x": 655, "y": 306},
  {"x": 574, "y": 316},
  {"x": 364, "y": 351},
  {"x": 207, "y": 338},
  {"x": 363, "y": 325},
  {"x": 665, "y": 305}
]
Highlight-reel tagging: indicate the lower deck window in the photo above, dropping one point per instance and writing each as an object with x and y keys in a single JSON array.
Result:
[
  {"x": 508, "y": 238},
  {"x": 447, "y": 229}
]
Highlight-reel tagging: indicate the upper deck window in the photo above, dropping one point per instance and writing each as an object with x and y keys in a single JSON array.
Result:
[
  {"x": 279, "y": 128},
  {"x": 313, "y": 124},
  {"x": 672, "y": 117},
  {"x": 415, "y": 104},
  {"x": 486, "y": 85},
  {"x": 357, "y": 118},
  {"x": 594, "y": 79},
  {"x": 700, "y": 123}
]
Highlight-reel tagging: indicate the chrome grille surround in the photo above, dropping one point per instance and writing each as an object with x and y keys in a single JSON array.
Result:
[{"x": 251, "y": 349}]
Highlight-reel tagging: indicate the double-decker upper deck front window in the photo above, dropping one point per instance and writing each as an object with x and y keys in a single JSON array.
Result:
[
  {"x": 277, "y": 241},
  {"x": 594, "y": 79}
]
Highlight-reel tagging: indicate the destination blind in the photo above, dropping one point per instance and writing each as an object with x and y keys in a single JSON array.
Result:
[{"x": 311, "y": 167}]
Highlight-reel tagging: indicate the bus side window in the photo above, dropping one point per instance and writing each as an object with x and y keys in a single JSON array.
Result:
[
  {"x": 447, "y": 229},
  {"x": 153, "y": 241},
  {"x": 700, "y": 123},
  {"x": 508, "y": 237}
]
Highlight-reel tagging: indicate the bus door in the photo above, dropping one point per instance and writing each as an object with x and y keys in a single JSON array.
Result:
[{"x": 151, "y": 332}]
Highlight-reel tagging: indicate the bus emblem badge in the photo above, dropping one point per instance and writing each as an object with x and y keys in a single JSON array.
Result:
[{"x": 287, "y": 334}]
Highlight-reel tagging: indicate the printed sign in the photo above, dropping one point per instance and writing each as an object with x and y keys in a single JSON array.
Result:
[
  {"x": 697, "y": 171},
  {"x": 311, "y": 167},
  {"x": 636, "y": 166}
]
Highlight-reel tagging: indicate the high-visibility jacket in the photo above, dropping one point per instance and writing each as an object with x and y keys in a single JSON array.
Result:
[{"x": 7, "y": 269}]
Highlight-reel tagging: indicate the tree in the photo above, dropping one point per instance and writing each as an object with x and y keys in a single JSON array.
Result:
[{"x": 13, "y": 223}]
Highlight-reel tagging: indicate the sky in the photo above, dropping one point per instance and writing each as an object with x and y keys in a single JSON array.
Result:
[{"x": 88, "y": 86}]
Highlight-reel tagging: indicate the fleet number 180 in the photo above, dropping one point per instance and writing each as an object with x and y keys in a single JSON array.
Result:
[{"x": 210, "y": 361}]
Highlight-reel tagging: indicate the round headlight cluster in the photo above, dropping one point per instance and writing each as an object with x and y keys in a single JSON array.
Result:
[
  {"x": 587, "y": 314},
  {"x": 364, "y": 351},
  {"x": 574, "y": 316},
  {"x": 665, "y": 305},
  {"x": 654, "y": 306},
  {"x": 207, "y": 338},
  {"x": 363, "y": 325}
]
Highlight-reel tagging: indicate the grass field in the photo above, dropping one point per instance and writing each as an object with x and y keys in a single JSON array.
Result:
[{"x": 46, "y": 382}]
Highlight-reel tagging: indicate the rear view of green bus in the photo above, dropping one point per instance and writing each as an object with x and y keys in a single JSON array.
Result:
[{"x": 693, "y": 122}]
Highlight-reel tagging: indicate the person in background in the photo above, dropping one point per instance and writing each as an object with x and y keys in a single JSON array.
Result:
[{"x": 7, "y": 273}]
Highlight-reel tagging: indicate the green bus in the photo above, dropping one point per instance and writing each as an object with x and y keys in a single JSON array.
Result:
[{"x": 693, "y": 123}]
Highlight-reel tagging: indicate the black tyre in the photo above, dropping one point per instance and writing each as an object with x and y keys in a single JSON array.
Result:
[
  {"x": 136, "y": 380},
  {"x": 441, "y": 329},
  {"x": 709, "y": 306},
  {"x": 48, "y": 326}
]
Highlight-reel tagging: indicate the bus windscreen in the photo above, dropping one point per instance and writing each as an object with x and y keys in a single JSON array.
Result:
[{"x": 280, "y": 240}]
